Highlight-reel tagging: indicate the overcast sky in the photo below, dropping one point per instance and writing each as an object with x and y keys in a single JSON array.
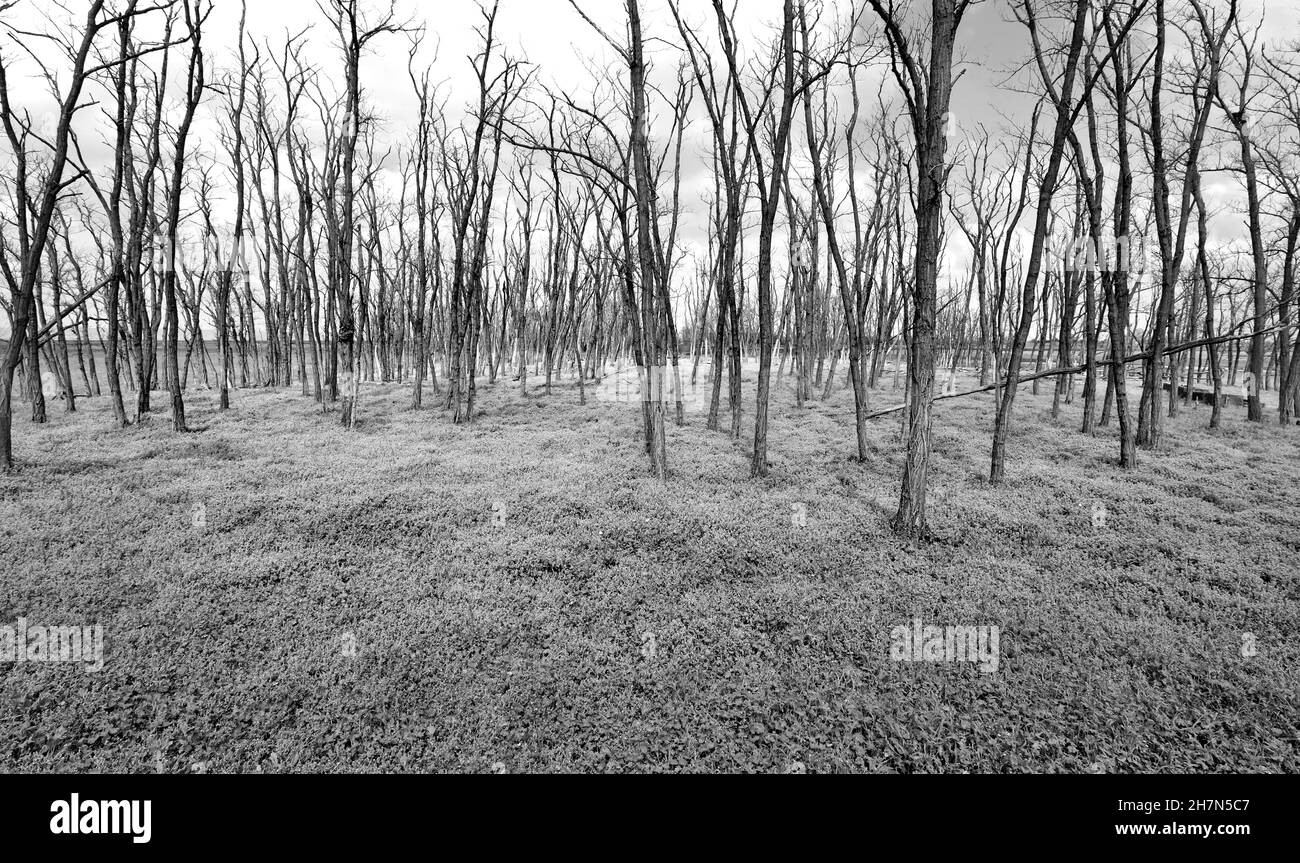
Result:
[{"x": 568, "y": 55}]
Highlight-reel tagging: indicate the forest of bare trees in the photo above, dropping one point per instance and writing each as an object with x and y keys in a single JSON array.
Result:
[
  {"x": 854, "y": 217},
  {"x": 643, "y": 362}
]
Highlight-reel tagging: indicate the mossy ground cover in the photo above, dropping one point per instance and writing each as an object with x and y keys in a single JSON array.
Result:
[{"x": 519, "y": 595}]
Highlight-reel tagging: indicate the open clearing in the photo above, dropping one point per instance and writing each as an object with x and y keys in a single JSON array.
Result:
[{"x": 496, "y": 584}]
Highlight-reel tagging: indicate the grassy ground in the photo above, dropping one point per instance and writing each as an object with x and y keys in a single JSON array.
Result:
[{"x": 498, "y": 581}]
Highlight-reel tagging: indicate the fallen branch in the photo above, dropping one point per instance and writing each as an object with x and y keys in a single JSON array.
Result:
[
  {"x": 1074, "y": 370},
  {"x": 44, "y": 333}
]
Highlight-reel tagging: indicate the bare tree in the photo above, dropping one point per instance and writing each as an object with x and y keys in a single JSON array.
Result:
[
  {"x": 35, "y": 210},
  {"x": 770, "y": 179},
  {"x": 926, "y": 91}
]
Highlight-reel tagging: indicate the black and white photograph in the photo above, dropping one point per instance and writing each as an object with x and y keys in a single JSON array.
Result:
[{"x": 649, "y": 386}]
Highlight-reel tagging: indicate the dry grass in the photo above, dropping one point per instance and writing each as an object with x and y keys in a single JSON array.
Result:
[{"x": 519, "y": 645}]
